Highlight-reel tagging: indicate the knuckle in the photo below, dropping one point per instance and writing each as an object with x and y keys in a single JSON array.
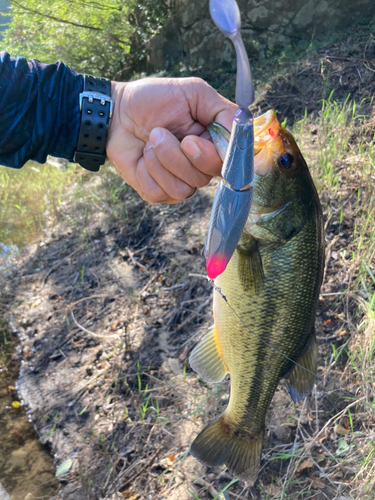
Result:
[
  {"x": 195, "y": 80},
  {"x": 202, "y": 181},
  {"x": 156, "y": 195},
  {"x": 182, "y": 191}
]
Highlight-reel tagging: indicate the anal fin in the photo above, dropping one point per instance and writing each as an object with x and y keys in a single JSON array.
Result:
[
  {"x": 299, "y": 380},
  {"x": 206, "y": 359}
]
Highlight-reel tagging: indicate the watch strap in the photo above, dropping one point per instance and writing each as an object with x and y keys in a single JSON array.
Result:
[{"x": 96, "y": 110}]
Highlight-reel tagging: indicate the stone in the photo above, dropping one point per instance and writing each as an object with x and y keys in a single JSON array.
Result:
[
  {"x": 3, "y": 494},
  {"x": 190, "y": 38}
]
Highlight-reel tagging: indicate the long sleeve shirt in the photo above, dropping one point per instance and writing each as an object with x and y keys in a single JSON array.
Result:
[{"x": 39, "y": 110}]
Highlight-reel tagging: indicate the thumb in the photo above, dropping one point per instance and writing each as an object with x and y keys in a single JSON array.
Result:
[{"x": 202, "y": 154}]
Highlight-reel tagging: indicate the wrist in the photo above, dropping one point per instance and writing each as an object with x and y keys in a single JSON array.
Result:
[{"x": 117, "y": 92}]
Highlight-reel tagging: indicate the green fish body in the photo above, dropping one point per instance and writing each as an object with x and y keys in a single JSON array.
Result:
[{"x": 272, "y": 283}]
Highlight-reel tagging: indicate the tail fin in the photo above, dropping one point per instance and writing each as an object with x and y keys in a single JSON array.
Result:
[{"x": 217, "y": 444}]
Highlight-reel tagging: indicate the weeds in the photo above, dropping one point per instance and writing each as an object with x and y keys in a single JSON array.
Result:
[
  {"x": 339, "y": 147},
  {"x": 31, "y": 199}
]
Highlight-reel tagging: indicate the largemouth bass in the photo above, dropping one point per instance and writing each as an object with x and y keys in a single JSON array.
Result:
[{"x": 272, "y": 282}]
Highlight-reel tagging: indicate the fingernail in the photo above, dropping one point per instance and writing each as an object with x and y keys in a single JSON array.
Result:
[
  {"x": 156, "y": 136},
  {"x": 148, "y": 146},
  {"x": 191, "y": 149}
]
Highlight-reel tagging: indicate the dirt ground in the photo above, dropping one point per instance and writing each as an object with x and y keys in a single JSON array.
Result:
[{"x": 108, "y": 309}]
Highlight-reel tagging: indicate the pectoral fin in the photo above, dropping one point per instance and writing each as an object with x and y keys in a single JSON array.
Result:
[
  {"x": 206, "y": 359},
  {"x": 300, "y": 381},
  {"x": 250, "y": 268}
]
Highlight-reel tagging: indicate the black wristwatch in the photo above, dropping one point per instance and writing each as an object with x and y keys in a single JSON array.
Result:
[{"x": 96, "y": 107}]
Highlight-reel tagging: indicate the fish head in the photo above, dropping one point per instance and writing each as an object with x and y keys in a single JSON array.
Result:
[
  {"x": 282, "y": 186},
  {"x": 278, "y": 163}
]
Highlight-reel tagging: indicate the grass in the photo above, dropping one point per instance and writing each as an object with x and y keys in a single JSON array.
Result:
[
  {"x": 31, "y": 199},
  {"x": 339, "y": 146}
]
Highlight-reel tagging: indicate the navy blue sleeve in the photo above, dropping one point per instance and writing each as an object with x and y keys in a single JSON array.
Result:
[{"x": 39, "y": 110}]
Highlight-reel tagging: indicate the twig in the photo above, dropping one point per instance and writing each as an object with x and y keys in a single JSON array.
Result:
[
  {"x": 196, "y": 275},
  {"x": 92, "y": 334},
  {"x": 174, "y": 287},
  {"x": 148, "y": 284},
  {"x": 324, "y": 474},
  {"x": 316, "y": 408},
  {"x": 149, "y": 463},
  {"x": 44, "y": 280},
  {"x": 294, "y": 445},
  {"x": 328, "y": 255},
  {"x": 77, "y": 391},
  {"x": 201, "y": 482},
  {"x": 88, "y": 298},
  {"x": 135, "y": 262},
  {"x": 338, "y": 415}
]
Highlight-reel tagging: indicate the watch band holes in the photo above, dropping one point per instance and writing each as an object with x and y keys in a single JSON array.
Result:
[
  {"x": 103, "y": 85},
  {"x": 82, "y": 158},
  {"x": 99, "y": 138},
  {"x": 89, "y": 111},
  {"x": 86, "y": 136},
  {"x": 100, "y": 125},
  {"x": 91, "y": 82},
  {"x": 101, "y": 113},
  {"x": 88, "y": 123},
  {"x": 84, "y": 146}
]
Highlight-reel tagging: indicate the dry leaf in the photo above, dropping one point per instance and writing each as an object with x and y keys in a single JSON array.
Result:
[
  {"x": 316, "y": 482},
  {"x": 306, "y": 464},
  {"x": 171, "y": 460},
  {"x": 130, "y": 495},
  {"x": 342, "y": 332},
  {"x": 339, "y": 429},
  {"x": 184, "y": 354},
  {"x": 345, "y": 421},
  {"x": 327, "y": 322},
  {"x": 273, "y": 490},
  {"x": 11, "y": 388}
]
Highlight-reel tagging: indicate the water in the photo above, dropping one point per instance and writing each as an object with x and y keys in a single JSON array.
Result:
[{"x": 25, "y": 466}]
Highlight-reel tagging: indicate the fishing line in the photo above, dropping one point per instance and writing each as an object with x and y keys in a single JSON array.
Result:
[{"x": 321, "y": 379}]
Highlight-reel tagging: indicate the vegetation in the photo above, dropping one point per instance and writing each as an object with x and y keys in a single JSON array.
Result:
[
  {"x": 105, "y": 38},
  {"x": 30, "y": 200},
  {"x": 135, "y": 416}
]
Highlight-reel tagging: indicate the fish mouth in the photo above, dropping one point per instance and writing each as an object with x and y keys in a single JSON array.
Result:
[
  {"x": 267, "y": 132},
  {"x": 266, "y": 128}
]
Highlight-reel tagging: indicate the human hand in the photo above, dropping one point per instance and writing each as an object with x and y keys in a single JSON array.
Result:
[{"x": 151, "y": 117}]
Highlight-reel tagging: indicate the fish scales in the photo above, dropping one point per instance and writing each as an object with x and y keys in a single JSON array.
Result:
[{"x": 272, "y": 283}]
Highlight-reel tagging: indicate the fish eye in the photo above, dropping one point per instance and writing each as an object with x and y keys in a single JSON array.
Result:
[{"x": 286, "y": 160}]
